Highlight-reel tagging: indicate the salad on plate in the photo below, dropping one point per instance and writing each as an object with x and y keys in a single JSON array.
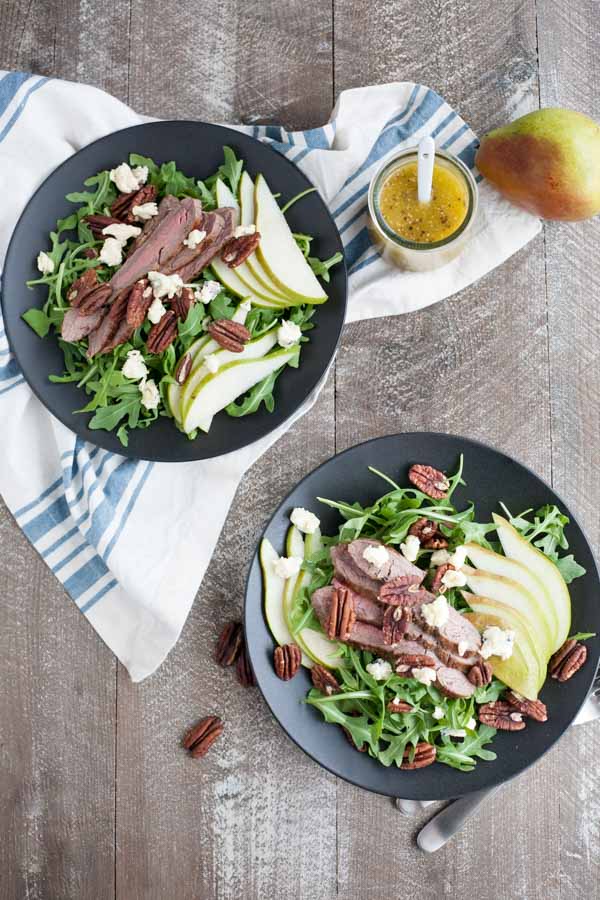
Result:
[
  {"x": 172, "y": 296},
  {"x": 425, "y": 630}
]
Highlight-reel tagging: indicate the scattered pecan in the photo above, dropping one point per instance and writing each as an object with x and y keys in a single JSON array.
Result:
[
  {"x": 342, "y": 615},
  {"x": 98, "y": 223},
  {"x": 80, "y": 288},
  {"x": 402, "y": 591},
  {"x": 324, "y": 680},
  {"x": 568, "y": 660},
  {"x": 123, "y": 205},
  {"x": 429, "y": 481},
  {"x": 163, "y": 333},
  {"x": 436, "y": 584},
  {"x": 138, "y": 303},
  {"x": 437, "y": 542},
  {"x": 229, "y": 644},
  {"x": 182, "y": 303},
  {"x": 287, "y": 659},
  {"x": 424, "y": 529},
  {"x": 480, "y": 674},
  {"x": 229, "y": 335},
  {"x": 424, "y": 755},
  {"x": 533, "y": 709},
  {"x": 399, "y": 706},
  {"x": 243, "y": 669},
  {"x": 184, "y": 367},
  {"x": 413, "y": 661},
  {"x": 200, "y": 738},
  {"x": 237, "y": 250},
  {"x": 396, "y": 620},
  {"x": 362, "y": 748},
  {"x": 95, "y": 300},
  {"x": 90, "y": 253},
  {"x": 501, "y": 715}
]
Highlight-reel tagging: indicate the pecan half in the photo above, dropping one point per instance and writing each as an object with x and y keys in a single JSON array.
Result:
[
  {"x": 399, "y": 706},
  {"x": 201, "y": 736},
  {"x": 82, "y": 287},
  {"x": 437, "y": 542},
  {"x": 184, "y": 367},
  {"x": 324, "y": 680},
  {"x": 436, "y": 584},
  {"x": 123, "y": 205},
  {"x": 568, "y": 660},
  {"x": 396, "y": 620},
  {"x": 237, "y": 250},
  {"x": 95, "y": 300},
  {"x": 182, "y": 303},
  {"x": 424, "y": 529},
  {"x": 429, "y": 481},
  {"x": 480, "y": 674},
  {"x": 362, "y": 748},
  {"x": 402, "y": 591},
  {"x": 424, "y": 755},
  {"x": 163, "y": 333},
  {"x": 533, "y": 709},
  {"x": 229, "y": 644},
  {"x": 229, "y": 335},
  {"x": 342, "y": 615},
  {"x": 97, "y": 223},
  {"x": 501, "y": 715},
  {"x": 243, "y": 669},
  {"x": 406, "y": 661},
  {"x": 91, "y": 253},
  {"x": 287, "y": 661},
  {"x": 138, "y": 303}
]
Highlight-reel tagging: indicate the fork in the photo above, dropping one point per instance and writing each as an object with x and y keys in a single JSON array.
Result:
[{"x": 589, "y": 711}]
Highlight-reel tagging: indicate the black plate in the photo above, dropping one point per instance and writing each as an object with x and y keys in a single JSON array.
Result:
[
  {"x": 491, "y": 476},
  {"x": 197, "y": 149}
]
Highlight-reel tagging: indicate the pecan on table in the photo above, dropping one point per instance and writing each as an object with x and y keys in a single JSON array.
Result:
[
  {"x": 184, "y": 367},
  {"x": 480, "y": 674},
  {"x": 229, "y": 644},
  {"x": 163, "y": 333},
  {"x": 501, "y": 715},
  {"x": 324, "y": 680},
  {"x": 237, "y": 250},
  {"x": 243, "y": 669},
  {"x": 424, "y": 529},
  {"x": 123, "y": 205},
  {"x": 396, "y": 620},
  {"x": 229, "y": 335},
  {"x": 436, "y": 585},
  {"x": 80, "y": 288},
  {"x": 342, "y": 615},
  {"x": 95, "y": 300},
  {"x": 182, "y": 303},
  {"x": 424, "y": 755},
  {"x": 138, "y": 303},
  {"x": 348, "y": 733},
  {"x": 98, "y": 223},
  {"x": 533, "y": 709},
  {"x": 286, "y": 660},
  {"x": 568, "y": 660},
  {"x": 429, "y": 481},
  {"x": 401, "y": 591},
  {"x": 399, "y": 706},
  {"x": 201, "y": 736}
]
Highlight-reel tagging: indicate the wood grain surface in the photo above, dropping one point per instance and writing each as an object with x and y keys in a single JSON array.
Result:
[{"x": 99, "y": 801}]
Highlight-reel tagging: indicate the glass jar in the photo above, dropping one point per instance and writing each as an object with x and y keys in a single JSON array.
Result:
[{"x": 415, "y": 255}]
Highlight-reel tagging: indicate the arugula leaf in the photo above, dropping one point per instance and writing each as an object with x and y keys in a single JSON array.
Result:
[
  {"x": 135, "y": 159},
  {"x": 582, "y": 636},
  {"x": 260, "y": 393},
  {"x": 231, "y": 169},
  {"x": 295, "y": 199},
  {"x": 207, "y": 196},
  {"x": 321, "y": 267},
  {"x": 569, "y": 568},
  {"x": 38, "y": 320},
  {"x": 222, "y": 307},
  {"x": 108, "y": 417}
]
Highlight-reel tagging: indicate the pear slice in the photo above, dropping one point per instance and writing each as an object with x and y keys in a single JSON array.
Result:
[
  {"x": 513, "y": 594},
  {"x": 234, "y": 284},
  {"x": 273, "y": 593},
  {"x": 248, "y": 217},
  {"x": 495, "y": 563},
  {"x": 515, "y": 672},
  {"x": 556, "y": 592},
  {"x": 200, "y": 348},
  {"x": 279, "y": 253}
]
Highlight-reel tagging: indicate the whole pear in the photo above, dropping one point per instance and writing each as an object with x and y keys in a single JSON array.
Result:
[{"x": 547, "y": 162}]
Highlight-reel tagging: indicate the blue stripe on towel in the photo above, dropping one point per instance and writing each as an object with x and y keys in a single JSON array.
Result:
[
  {"x": 101, "y": 593},
  {"x": 111, "y": 545},
  {"x": 9, "y": 85},
  {"x": 29, "y": 506},
  {"x": 86, "y": 577},
  {"x": 15, "y": 116}
]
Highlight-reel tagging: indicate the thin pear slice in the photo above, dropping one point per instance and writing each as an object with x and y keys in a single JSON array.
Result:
[
  {"x": 218, "y": 390},
  {"x": 518, "y": 672},
  {"x": 248, "y": 217},
  {"x": 273, "y": 591},
  {"x": 557, "y": 593},
  {"x": 196, "y": 350},
  {"x": 234, "y": 284},
  {"x": 509, "y": 592},
  {"x": 279, "y": 253},
  {"x": 497, "y": 564}
]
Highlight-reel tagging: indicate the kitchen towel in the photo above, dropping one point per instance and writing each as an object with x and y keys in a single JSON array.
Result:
[{"x": 96, "y": 518}]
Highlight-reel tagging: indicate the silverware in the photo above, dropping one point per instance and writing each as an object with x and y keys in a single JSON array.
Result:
[{"x": 448, "y": 822}]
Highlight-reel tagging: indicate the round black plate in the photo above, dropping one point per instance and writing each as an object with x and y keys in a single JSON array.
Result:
[
  {"x": 491, "y": 476},
  {"x": 197, "y": 149}
]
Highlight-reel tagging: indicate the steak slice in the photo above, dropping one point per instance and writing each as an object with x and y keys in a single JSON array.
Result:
[
  {"x": 457, "y": 630},
  {"x": 219, "y": 226},
  {"x": 366, "y": 610},
  {"x": 454, "y": 684},
  {"x": 76, "y": 326},
  {"x": 101, "y": 339},
  {"x": 348, "y": 572},
  {"x": 429, "y": 640},
  {"x": 396, "y": 565},
  {"x": 166, "y": 205}
]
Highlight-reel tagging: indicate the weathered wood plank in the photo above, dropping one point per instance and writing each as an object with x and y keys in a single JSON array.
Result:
[{"x": 569, "y": 73}]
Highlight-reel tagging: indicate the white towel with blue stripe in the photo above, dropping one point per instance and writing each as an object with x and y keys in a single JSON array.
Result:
[{"x": 93, "y": 515}]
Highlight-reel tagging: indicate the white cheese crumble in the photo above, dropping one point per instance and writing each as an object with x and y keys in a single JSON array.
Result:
[
  {"x": 288, "y": 333},
  {"x": 452, "y": 578},
  {"x": 145, "y": 211},
  {"x": 134, "y": 366},
  {"x": 150, "y": 394},
  {"x": 156, "y": 310},
  {"x": 241, "y": 312},
  {"x": 380, "y": 669},
  {"x": 165, "y": 285},
  {"x": 497, "y": 642},
  {"x": 304, "y": 520},
  {"x": 439, "y": 558},
  {"x": 122, "y": 232},
  {"x": 194, "y": 238},
  {"x": 455, "y": 732},
  {"x": 112, "y": 252},
  {"x": 426, "y": 675},
  {"x": 458, "y": 558},
  {"x": 211, "y": 362},
  {"x": 410, "y": 547},
  {"x": 376, "y": 555},
  {"x": 243, "y": 230},
  {"x": 463, "y": 646},
  {"x": 436, "y": 614},
  {"x": 128, "y": 179},
  {"x": 287, "y": 567},
  {"x": 44, "y": 263},
  {"x": 438, "y": 713},
  {"x": 208, "y": 291},
  {"x": 471, "y": 725}
]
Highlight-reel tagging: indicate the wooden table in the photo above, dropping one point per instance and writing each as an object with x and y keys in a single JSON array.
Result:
[{"x": 98, "y": 801}]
